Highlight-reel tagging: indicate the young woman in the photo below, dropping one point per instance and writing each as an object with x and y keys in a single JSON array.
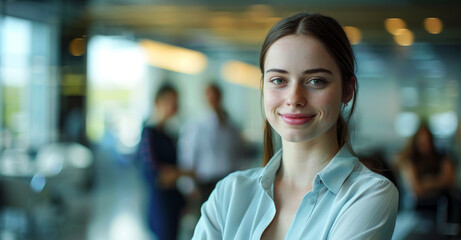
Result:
[
  {"x": 314, "y": 187},
  {"x": 428, "y": 174}
]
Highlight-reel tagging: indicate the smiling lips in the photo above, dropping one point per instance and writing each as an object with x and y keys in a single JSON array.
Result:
[{"x": 296, "y": 118}]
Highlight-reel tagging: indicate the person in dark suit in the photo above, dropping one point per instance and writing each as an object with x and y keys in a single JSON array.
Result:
[{"x": 157, "y": 155}]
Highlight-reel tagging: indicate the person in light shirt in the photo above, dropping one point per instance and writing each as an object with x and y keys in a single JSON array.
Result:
[
  {"x": 211, "y": 145},
  {"x": 314, "y": 187}
]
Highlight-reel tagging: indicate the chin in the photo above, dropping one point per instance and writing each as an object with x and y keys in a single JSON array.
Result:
[{"x": 295, "y": 138}]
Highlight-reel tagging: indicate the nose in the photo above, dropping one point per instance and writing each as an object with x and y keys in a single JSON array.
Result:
[{"x": 296, "y": 96}]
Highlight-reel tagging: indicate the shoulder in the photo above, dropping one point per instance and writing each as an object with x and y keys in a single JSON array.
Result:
[
  {"x": 402, "y": 159},
  {"x": 370, "y": 192},
  {"x": 235, "y": 189},
  {"x": 149, "y": 130},
  {"x": 364, "y": 181},
  {"x": 363, "y": 174},
  {"x": 368, "y": 199},
  {"x": 241, "y": 183},
  {"x": 240, "y": 178}
]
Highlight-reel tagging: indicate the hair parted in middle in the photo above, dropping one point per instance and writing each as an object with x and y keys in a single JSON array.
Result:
[{"x": 328, "y": 31}]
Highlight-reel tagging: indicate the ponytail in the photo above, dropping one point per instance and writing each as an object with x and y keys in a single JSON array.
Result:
[
  {"x": 268, "y": 143},
  {"x": 341, "y": 131}
]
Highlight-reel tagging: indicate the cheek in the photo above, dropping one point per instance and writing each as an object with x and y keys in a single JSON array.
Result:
[
  {"x": 270, "y": 100},
  {"x": 329, "y": 101},
  {"x": 173, "y": 107}
]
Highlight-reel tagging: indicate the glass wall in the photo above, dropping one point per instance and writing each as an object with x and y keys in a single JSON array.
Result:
[{"x": 28, "y": 84}]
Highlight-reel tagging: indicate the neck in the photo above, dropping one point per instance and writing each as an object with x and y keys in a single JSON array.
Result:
[
  {"x": 220, "y": 113},
  {"x": 302, "y": 161},
  {"x": 160, "y": 120}
]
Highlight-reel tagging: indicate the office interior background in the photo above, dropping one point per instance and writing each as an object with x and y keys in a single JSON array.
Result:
[{"x": 78, "y": 78}]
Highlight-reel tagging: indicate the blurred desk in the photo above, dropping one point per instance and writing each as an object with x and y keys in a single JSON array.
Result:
[
  {"x": 16, "y": 163},
  {"x": 38, "y": 191}
]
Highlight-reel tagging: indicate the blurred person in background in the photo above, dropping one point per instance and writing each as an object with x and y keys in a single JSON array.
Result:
[
  {"x": 157, "y": 155},
  {"x": 314, "y": 187},
  {"x": 427, "y": 173},
  {"x": 211, "y": 146}
]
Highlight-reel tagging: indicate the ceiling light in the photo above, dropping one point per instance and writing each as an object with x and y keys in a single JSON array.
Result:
[
  {"x": 174, "y": 58},
  {"x": 404, "y": 37},
  {"x": 77, "y": 47},
  {"x": 353, "y": 34},
  {"x": 242, "y": 74},
  {"x": 394, "y": 24},
  {"x": 433, "y": 25}
]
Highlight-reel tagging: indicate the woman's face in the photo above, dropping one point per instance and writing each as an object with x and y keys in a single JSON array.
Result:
[
  {"x": 168, "y": 104},
  {"x": 423, "y": 142},
  {"x": 302, "y": 89}
]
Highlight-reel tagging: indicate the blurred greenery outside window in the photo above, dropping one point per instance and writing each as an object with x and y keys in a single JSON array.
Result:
[
  {"x": 28, "y": 95},
  {"x": 118, "y": 93},
  {"x": 436, "y": 104}
]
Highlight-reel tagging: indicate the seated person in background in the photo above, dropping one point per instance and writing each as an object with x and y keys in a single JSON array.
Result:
[{"x": 428, "y": 174}]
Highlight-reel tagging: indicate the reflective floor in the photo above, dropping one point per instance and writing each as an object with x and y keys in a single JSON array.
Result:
[
  {"x": 119, "y": 203},
  {"x": 113, "y": 208}
]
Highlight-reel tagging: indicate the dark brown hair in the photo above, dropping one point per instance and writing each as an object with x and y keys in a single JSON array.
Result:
[
  {"x": 328, "y": 31},
  {"x": 163, "y": 90},
  {"x": 424, "y": 163}
]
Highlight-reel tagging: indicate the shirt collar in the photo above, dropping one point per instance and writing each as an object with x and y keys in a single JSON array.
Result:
[
  {"x": 337, "y": 171},
  {"x": 268, "y": 174},
  {"x": 332, "y": 176}
]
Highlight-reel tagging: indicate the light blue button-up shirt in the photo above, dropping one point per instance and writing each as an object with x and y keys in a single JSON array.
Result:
[{"x": 348, "y": 201}]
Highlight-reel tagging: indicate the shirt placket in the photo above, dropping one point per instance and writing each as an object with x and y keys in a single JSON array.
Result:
[
  {"x": 267, "y": 203},
  {"x": 304, "y": 212}
]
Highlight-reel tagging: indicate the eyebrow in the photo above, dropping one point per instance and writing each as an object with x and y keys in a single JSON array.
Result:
[{"x": 308, "y": 71}]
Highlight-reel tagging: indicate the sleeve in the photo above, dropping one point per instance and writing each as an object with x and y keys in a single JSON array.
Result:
[
  {"x": 210, "y": 224},
  {"x": 187, "y": 146},
  {"x": 370, "y": 215},
  {"x": 146, "y": 157}
]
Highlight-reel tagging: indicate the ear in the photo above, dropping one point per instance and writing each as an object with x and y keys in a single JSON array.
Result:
[{"x": 350, "y": 91}]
